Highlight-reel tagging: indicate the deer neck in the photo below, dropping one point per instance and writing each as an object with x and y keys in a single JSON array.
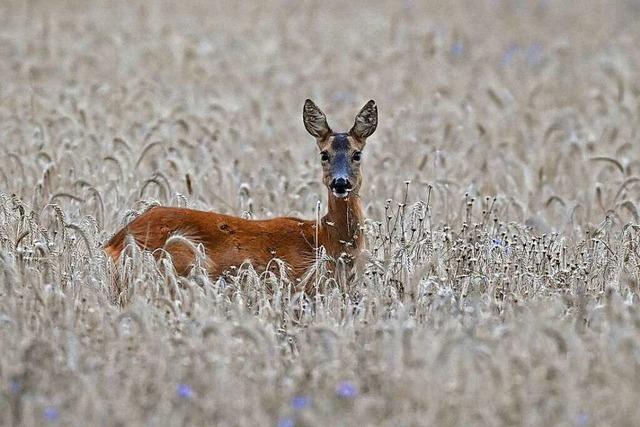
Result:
[{"x": 340, "y": 228}]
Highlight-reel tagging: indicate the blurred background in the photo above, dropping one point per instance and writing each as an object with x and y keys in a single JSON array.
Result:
[{"x": 521, "y": 310}]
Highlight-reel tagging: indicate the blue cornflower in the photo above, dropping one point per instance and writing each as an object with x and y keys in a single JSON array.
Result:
[
  {"x": 51, "y": 413},
  {"x": 300, "y": 402},
  {"x": 457, "y": 48},
  {"x": 509, "y": 54},
  {"x": 533, "y": 55},
  {"x": 347, "y": 390},
  {"x": 500, "y": 244},
  {"x": 15, "y": 387},
  {"x": 185, "y": 391},
  {"x": 582, "y": 420},
  {"x": 286, "y": 422}
]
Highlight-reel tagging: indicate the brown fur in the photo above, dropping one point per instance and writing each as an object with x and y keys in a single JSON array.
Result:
[{"x": 229, "y": 241}]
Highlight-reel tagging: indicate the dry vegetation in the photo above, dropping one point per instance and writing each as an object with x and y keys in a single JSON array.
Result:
[{"x": 502, "y": 282}]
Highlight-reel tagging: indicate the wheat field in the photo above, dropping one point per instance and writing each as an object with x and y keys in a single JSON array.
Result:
[{"x": 501, "y": 192}]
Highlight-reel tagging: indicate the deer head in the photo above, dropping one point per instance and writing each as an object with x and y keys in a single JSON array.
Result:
[{"x": 341, "y": 152}]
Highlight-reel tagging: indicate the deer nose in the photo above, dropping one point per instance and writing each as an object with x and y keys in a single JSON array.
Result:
[{"x": 340, "y": 185}]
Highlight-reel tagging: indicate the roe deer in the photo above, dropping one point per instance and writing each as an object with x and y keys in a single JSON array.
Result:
[{"x": 229, "y": 241}]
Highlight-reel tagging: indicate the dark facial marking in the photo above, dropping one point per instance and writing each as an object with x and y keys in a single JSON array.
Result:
[
  {"x": 340, "y": 142},
  {"x": 340, "y": 166},
  {"x": 340, "y": 163}
]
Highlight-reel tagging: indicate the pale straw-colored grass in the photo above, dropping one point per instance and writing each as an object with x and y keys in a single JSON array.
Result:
[{"x": 502, "y": 185}]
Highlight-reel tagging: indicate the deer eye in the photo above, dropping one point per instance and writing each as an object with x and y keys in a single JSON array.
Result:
[
  {"x": 357, "y": 156},
  {"x": 324, "y": 156}
]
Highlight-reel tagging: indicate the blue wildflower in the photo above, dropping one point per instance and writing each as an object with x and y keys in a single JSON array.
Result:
[
  {"x": 533, "y": 55},
  {"x": 501, "y": 245},
  {"x": 286, "y": 422},
  {"x": 185, "y": 391},
  {"x": 347, "y": 390},
  {"x": 15, "y": 387},
  {"x": 51, "y": 413},
  {"x": 457, "y": 48},
  {"x": 509, "y": 54},
  {"x": 300, "y": 402},
  {"x": 582, "y": 420}
]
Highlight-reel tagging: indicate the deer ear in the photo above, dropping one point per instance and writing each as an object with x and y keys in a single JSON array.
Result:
[
  {"x": 314, "y": 120},
  {"x": 366, "y": 121}
]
